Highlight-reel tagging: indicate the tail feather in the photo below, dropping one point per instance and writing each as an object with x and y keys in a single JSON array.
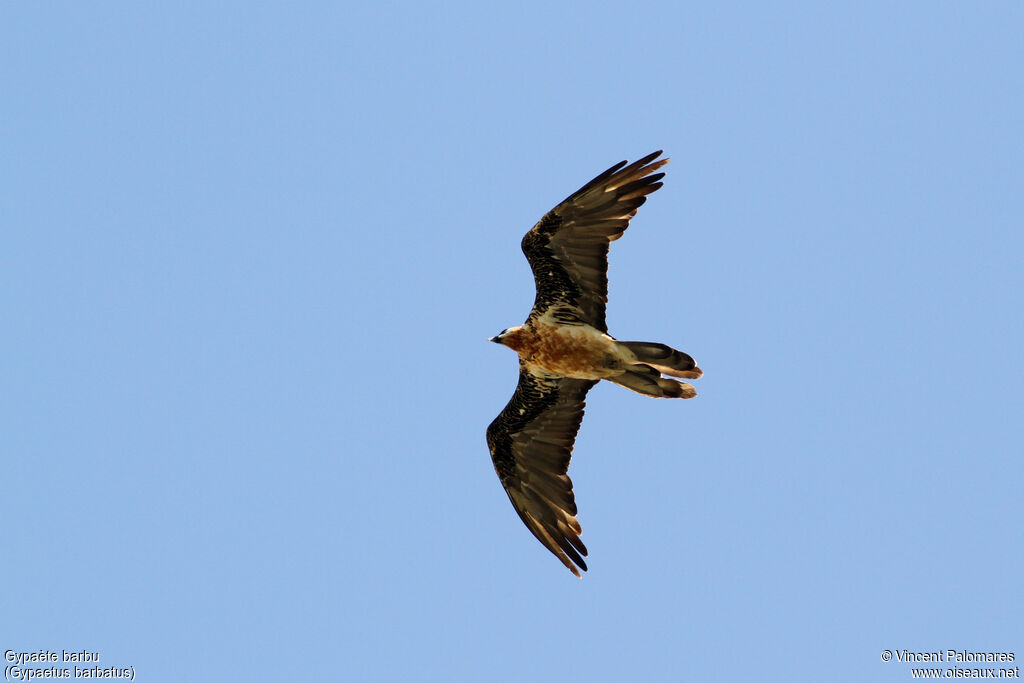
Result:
[
  {"x": 665, "y": 359},
  {"x": 647, "y": 380}
]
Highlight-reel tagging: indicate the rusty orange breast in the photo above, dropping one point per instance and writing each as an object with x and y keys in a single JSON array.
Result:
[{"x": 568, "y": 351}]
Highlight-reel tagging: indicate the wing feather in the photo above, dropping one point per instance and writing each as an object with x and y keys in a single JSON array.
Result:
[
  {"x": 568, "y": 248},
  {"x": 531, "y": 443}
]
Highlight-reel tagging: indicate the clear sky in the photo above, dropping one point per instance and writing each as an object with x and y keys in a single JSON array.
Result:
[{"x": 251, "y": 255}]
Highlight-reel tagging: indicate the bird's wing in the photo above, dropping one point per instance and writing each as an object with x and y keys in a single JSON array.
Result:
[
  {"x": 531, "y": 443},
  {"x": 568, "y": 248}
]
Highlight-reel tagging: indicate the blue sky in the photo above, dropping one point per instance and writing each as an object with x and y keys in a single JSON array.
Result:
[{"x": 252, "y": 255}]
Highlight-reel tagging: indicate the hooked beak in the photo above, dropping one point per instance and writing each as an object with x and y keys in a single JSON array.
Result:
[{"x": 495, "y": 340}]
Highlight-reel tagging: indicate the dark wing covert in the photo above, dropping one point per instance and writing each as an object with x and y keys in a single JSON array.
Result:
[
  {"x": 531, "y": 444},
  {"x": 568, "y": 248}
]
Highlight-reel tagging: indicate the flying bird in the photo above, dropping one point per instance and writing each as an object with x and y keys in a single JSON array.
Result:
[{"x": 564, "y": 349}]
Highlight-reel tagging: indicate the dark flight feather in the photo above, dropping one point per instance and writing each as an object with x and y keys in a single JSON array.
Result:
[
  {"x": 531, "y": 443},
  {"x": 568, "y": 248}
]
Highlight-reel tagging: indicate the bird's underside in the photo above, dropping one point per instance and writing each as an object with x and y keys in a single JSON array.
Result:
[{"x": 564, "y": 349}]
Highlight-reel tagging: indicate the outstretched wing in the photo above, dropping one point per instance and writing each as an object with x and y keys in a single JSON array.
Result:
[
  {"x": 531, "y": 443},
  {"x": 568, "y": 248}
]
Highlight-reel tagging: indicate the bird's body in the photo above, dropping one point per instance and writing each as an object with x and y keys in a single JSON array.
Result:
[
  {"x": 564, "y": 349},
  {"x": 576, "y": 351}
]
